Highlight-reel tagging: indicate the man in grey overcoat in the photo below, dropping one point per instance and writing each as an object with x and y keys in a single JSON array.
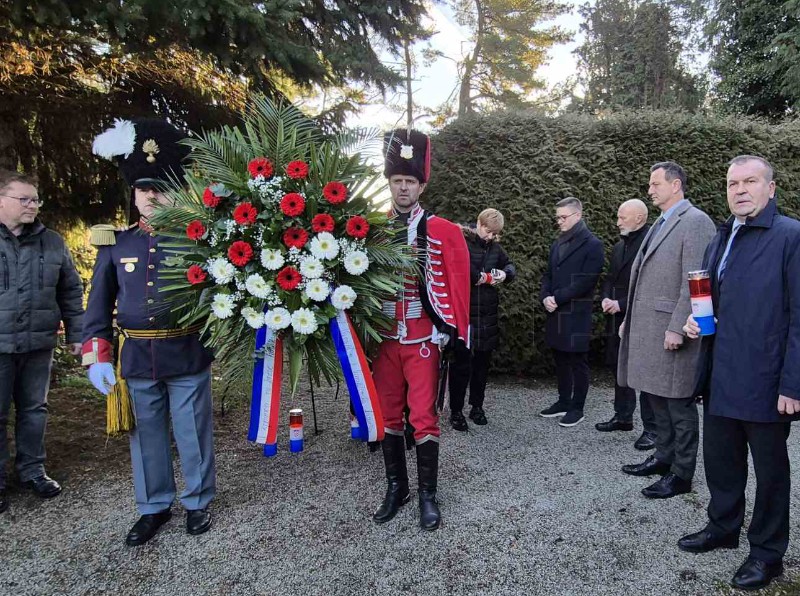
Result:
[{"x": 654, "y": 358}]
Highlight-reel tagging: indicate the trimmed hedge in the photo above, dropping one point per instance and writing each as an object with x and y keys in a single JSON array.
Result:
[{"x": 522, "y": 163}]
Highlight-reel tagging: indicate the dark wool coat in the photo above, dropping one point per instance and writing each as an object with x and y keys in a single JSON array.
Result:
[
  {"x": 571, "y": 280},
  {"x": 484, "y": 298},
  {"x": 615, "y": 286},
  {"x": 755, "y": 354}
]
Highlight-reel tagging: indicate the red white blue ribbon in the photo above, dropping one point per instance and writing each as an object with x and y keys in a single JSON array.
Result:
[
  {"x": 265, "y": 405},
  {"x": 358, "y": 377}
]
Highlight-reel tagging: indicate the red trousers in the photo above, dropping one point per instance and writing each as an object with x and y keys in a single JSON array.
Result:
[{"x": 408, "y": 375}]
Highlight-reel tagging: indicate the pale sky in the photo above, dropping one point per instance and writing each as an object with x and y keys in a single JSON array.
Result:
[{"x": 433, "y": 84}]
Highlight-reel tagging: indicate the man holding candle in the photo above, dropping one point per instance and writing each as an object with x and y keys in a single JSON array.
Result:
[
  {"x": 653, "y": 356},
  {"x": 750, "y": 378}
]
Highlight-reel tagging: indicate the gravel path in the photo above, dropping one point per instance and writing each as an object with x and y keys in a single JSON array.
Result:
[{"x": 528, "y": 507}]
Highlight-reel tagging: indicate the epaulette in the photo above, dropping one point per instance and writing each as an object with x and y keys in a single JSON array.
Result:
[{"x": 103, "y": 235}]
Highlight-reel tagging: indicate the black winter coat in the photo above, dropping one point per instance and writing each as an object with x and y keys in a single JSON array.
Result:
[
  {"x": 39, "y": 287},
  {"x": 615, "y": 287},
  {"x": 571, "y": 280},
  {"x": 484, "y": 298}
]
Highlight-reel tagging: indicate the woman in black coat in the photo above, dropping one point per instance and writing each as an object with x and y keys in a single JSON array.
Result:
[{"x": 489, "y": 267}]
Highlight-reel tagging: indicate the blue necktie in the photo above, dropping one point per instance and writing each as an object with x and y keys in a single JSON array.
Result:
[{"x": 724, "y": 260}]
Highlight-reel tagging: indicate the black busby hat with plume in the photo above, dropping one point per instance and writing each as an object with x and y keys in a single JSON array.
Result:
[
  {"x": 407, "y": 153},
  {"x": 147, "y": 150}
]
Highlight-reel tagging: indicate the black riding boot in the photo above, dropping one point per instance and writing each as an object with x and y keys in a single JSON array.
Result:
[
  {"x": 394, "y": 456},
  {"x": 428, "y": 471}
]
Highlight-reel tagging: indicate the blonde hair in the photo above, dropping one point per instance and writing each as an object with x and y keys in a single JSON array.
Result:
[{"x": 492, "y": 219}]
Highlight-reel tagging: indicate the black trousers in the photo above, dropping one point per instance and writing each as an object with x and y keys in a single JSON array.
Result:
[
  {"x": 625, "y": 405},
  {"x": 572, "y": 372},
  {"x": 468, "y": 369},
  {"x": 725, "y": 446},
  {"x": 677, "y": 433}
]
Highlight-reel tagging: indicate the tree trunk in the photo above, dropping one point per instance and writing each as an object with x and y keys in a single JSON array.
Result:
[
  {"x": 409, "y": 91},
  {"x": 8, "y": 156},
  {"x": 464, "y": 92}
]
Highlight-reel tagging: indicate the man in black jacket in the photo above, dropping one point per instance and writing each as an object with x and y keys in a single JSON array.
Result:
[
  {"x": 632, "y": 224},
  {"x": 575, "y": 265},
  {"x": 39, "y": 287}
]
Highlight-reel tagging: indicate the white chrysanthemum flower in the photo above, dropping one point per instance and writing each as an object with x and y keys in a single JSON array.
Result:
[
  {"x": 311, "y": 268},
  {"x": 222, "y": 270},
  {"x": 254, "y": 318},
  {"x": 343, "y": 297},
  {"x": 272, "y": 259},
  {"x": 277, "y": 319},
  {"x": 304, "y": 321},
  {"x": 317, "y": 289},
  {"x": 222, "y": 306},
  {"x": 356, "y": 262},
  {"x": 257, "y": 286},
  {"x": 324, "y": 246}
]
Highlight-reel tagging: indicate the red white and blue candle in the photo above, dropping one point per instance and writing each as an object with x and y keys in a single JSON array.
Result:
[{"x": 702, "y": 304}]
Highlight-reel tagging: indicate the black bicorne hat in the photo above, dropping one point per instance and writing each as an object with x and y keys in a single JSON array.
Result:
[
  {"x": 407, "y": 154},
  {"x": 147, "y": 150}
]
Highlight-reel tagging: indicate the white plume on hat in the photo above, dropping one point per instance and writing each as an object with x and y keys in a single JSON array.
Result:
[{"x": 120, "y": 139}]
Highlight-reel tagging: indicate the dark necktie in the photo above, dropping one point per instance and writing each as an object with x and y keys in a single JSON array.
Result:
[{"x": 653, "y": 234}]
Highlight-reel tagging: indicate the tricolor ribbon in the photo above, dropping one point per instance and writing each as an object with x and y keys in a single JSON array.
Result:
[
  {"x": 265, "y": 405},
  {"x": 358, "y": 377}
]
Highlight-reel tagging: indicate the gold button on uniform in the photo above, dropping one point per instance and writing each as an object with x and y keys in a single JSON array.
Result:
[
  {"x": 149, "y": 301},
  {"x": 150, "y": 283},
  {"x": 152, "y": 250},
  {"x": 151, "y": 266},
  {"x": 151, "y": 319}
]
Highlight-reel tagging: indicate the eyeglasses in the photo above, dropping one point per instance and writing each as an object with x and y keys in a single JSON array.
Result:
[
  {"x": 26, "y": 201},
  {"x": 560, "y": 218}
]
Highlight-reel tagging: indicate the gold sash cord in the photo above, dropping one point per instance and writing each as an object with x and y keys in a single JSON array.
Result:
[{"x": 119, "y": 408}]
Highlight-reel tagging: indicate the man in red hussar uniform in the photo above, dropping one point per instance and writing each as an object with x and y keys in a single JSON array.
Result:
[{"x": 431, "y": 313}]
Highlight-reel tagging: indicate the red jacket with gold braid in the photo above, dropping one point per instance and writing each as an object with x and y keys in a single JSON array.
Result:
[{"x": 434, "y": 305}]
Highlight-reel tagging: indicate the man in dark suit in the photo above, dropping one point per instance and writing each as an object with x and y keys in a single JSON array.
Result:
[
  {"x": 575, "y": 265},
  {"x": 632, "y": 224},
  {"x": 750, "y": 378}
]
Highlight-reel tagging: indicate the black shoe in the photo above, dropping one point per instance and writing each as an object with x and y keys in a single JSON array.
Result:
[
  {"x": 557, "y": 409},
  {"x": 571, "y": 418},
  {"x": 478, "y": 416},
  {"x": 755, "y": 574},
  {"x": 147, "y": 526},
  {"x": 43, "y": 487},
  {"x": 613, "y": 424},
  {"x": 670, "y": 485},
  {"x": 649, "y": 467},
  {"x": 646, "y": 442},
  {"x": 458, "y": 422},
  {"x": 704, "y": 542},
  {"x": 4, "y": 502},
  {"x": 198, "y": 521},
  {"x": 428, "y": 469},
  {"x": 397, "y": 495}
]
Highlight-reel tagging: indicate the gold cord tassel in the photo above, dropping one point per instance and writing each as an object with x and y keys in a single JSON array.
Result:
[{"x": 119, "y": 409}]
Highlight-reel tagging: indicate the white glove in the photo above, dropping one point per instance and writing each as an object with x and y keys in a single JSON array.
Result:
[{"x": 101, "y": 374}]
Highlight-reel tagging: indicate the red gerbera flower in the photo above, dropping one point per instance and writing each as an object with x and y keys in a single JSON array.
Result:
[
  {"x": 210, "y": 199},
  {"x": 293, "y": 204},
  {"x": 295, "y": 237},
  {"x": 297, "y": 170},
  {"x": 288, "y": 278},
  {"x": 260, "y": 166},
  {"x": 357, "y": 227},
  {"x": 195, "y": 230},
  {"x": 322, "y": 223},
  {"x": 196, "y": 275},
  {"x": 335, "y": 192},
  {"x": 240, "y": 253},
  {"x": 245, "y": 214}
]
